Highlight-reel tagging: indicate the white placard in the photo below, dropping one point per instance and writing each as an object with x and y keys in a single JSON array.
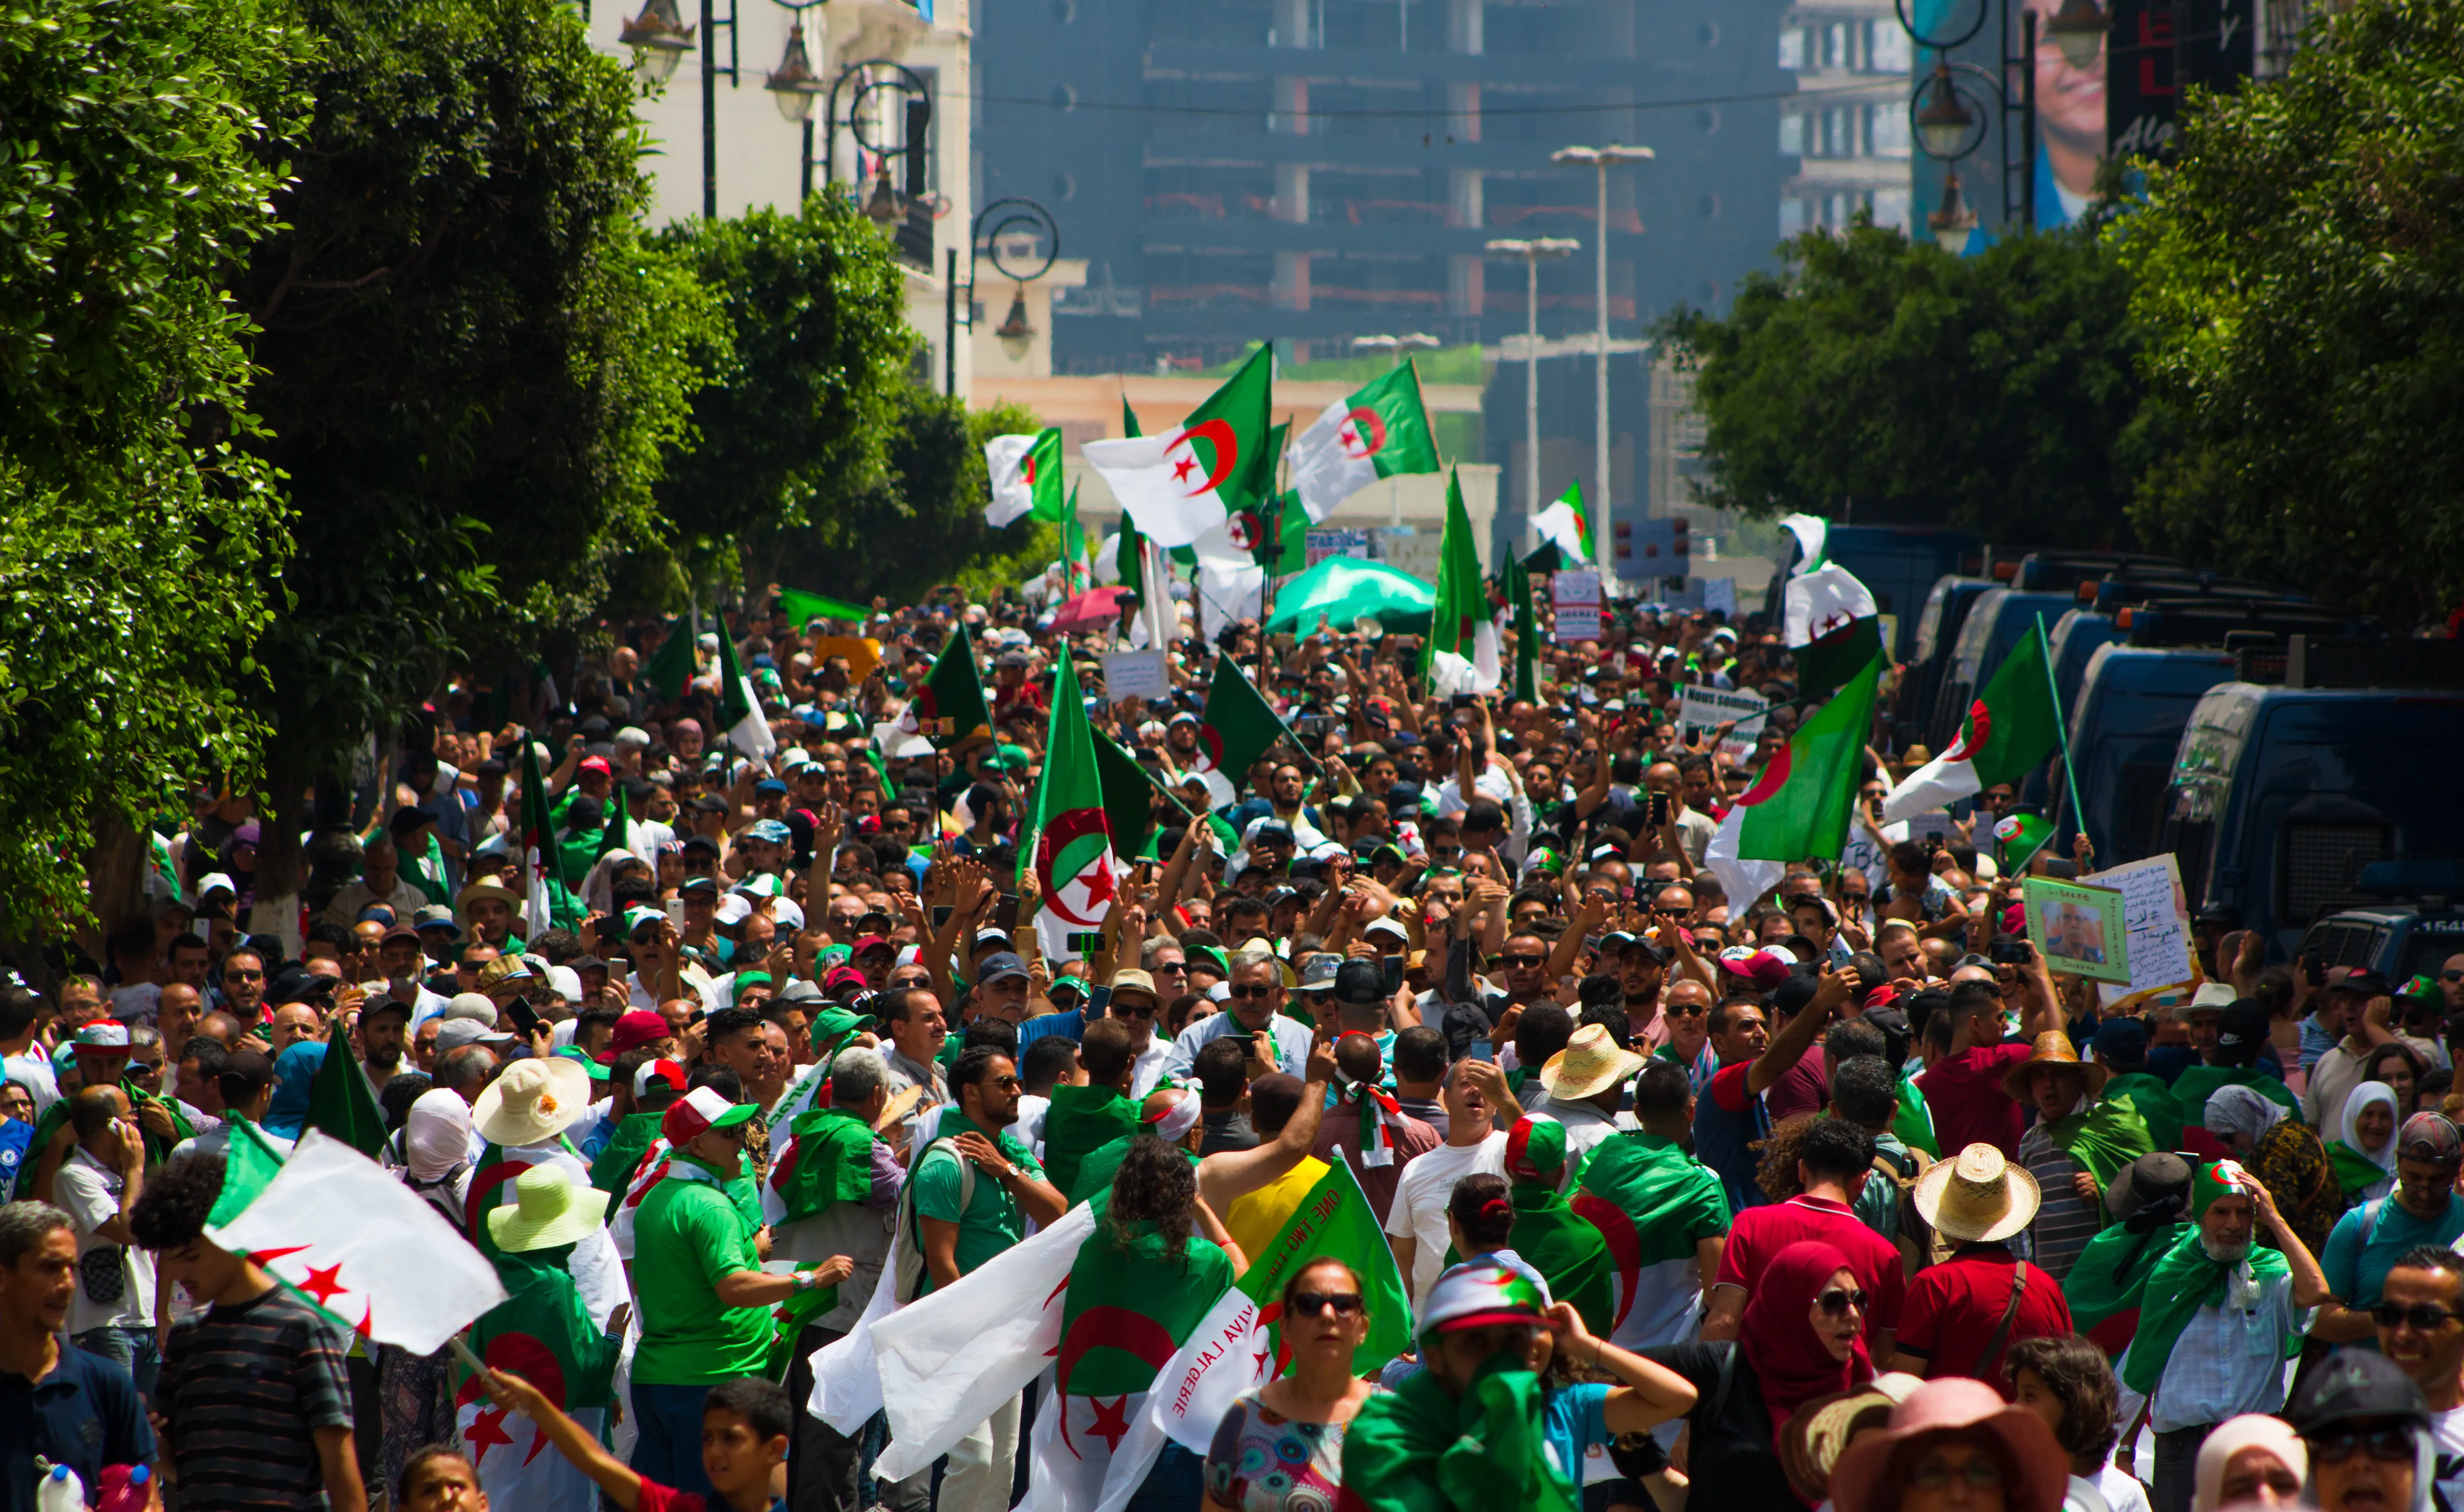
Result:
[
  {"x": 1700, "y": 708},
  {"x": 2157, "y": 919},
  {"x": 1320, "y": 544},
  {"x": 1721, "y": 594},
  {"x": 1135, "y": 675},
  {"x": 1575, "y": 593}
]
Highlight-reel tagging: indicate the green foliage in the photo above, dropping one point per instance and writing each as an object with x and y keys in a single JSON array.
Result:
[
  {"x": 797, "y": 424},
  {"x": 1990, "y": 392},
  {"x": 473, "y": 362},
  {"x": 141, "y": 144},
  {"x": 2300, "y": 269}
]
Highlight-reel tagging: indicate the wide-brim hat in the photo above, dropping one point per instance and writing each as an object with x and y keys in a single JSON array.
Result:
[
  {"x": 2054, "y": 1049},
  {"x": 549, "y": 1209},
  {"x": 1818, "y": 1431},
  {"x": 1978, "y": 1197},
  {"x": 1956, "y": 1402},
  {"x": 1591, "y": 1063},
  {"x": 531, "y": 1100},
  {"x": 487, "y": 890},
  {"x": 901, "y": 1104}
]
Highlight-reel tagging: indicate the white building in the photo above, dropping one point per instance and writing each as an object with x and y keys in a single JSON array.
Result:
[{"x": 1846, "y": 128}]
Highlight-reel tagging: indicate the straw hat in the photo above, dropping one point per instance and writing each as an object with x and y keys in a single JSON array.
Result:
[
  {"x": 896, "y": 1110},
  {"x": 1591, "y": 1063},
  {"x": 534, "y": 1100},
  {"x": 1820, "y": 1432},
  {"x": 1979, "y": 1197},
  {"x": 1857, "y": 1481},
  {"x": 2053, "y": 1049},
  {"x": 548, "y": 1210}
]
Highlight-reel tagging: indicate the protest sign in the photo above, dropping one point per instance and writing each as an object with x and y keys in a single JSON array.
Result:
[
  {"x": 1575, "y": 595},
  {"x": 2079, "y": 929},
  {"x": 2156, "y": 920},
  {"x": 1135, "y": 675}
]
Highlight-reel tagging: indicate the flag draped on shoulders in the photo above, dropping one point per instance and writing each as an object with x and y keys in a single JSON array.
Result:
[
  {"x": 827, "y": 1158},
  {"x": 1652, "y": 1204},
  {"x": 1419, "y": 1447},
  {"x": 1336, "y": 1220},
  {"x": 2108, "y": 1279},
  {"x": 1081, "y": 1121}
]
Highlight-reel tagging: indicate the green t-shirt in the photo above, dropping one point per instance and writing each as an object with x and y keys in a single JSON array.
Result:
[
  {"x": 689, "y": 1235},
  {"x": 991, "y": 1222}
]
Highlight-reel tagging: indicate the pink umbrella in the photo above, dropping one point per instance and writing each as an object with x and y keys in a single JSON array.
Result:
[{"x": 1091, "y": 610}]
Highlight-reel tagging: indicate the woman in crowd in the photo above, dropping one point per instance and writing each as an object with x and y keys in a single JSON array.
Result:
[
  {"x": 1953, "y": 1446},
  {"x": 2250, "y": 1461},
  {"x": 2365, "y": 1149},
  {"x": 2067, "y": 1383},
  {"x": 1279, "y": 1447},
  {"x": 2285, "y": 1154}
]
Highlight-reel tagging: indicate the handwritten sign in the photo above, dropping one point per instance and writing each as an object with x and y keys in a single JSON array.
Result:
[
  {"x": 1135, "y": 675},
  {"x": 2156, "y": 917},
  {"x": 1700, "y": 708},
  {"x": 1575, "y": 595}
]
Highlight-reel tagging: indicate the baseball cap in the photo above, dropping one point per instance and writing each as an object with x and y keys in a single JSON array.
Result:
[
  {"x": 663, "y": 1072},
  {"x": 771, "y": 786},
  {"x": 2431, "y": 1136},
  {"x": 455, "y": 1033},
  {"x": 1318, "y": 974},
  {"x": 1385, "y": 926},
  {"x": 400, "y": 932},
  {"x": 2353, "y": 1384},
  {"x": 103, "y": 1034},
  {"x": 699, "y": 1111},
  {"x": 597, "y": 765},
  {"x": 1001, "y": 965},
  {"x": 840, "y": 977},
  {"x": 2121, "y": 1039},
  {"x": 2240, "y": 1032},
  {"x": 435, "y": 916},
  {"x": 874, "y": 942},
  {"x": 636, "y": 1029},
  {"x": 771, "y": 830}
]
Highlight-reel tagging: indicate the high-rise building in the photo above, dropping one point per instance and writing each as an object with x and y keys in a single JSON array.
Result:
[{"x": 1844, "y": 137}]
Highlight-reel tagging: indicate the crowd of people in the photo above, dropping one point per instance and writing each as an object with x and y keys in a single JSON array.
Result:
[{"x": 1843, "y": 1194}]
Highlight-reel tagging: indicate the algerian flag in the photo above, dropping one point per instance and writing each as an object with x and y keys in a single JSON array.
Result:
[
  {"x": 617, "y": 833},
  {"x": 595, "y": 1265},
  {"x": 1813, "y": 534},
  {"x": 673, "y": 665},
  {"x": 802, "y": 608},
  {"x": 250, "y": 1161},
  {"x": 1382, "y": 431},
  {"x": 1653, "y": 1203},
  {"x": 1129, "y": 796},
  {"x": 1069, "y": 838},
  {"x": 1026, "y": 476},
  {"x": 339, "y": 1102},
  {"x": 543, "y": 1333},
  {"x": 947, "y": 1359},
  {"x": 1828, "y": 620},
  {"x": 2013, "y": 726},
  {"x": 1527, "y": 631},
  {"x": 2017, "y": 839},
  {"x": 1236, "y": 727},
  {"x": 550, "y": 895},
  {"x": 738, "y": 710},
  {"x": 1460, "y": 624},
  {"x": 1799, "y": 806},
  {"x": 364, "y": 1248},
  {"x": 1193, "y": 478},
  {"x": 1335, "y": 1219},
  {"x": 1093, "y": 1455},
  {"x": 950, "y": 707},
  {"x": 1077, "y": 564},
  {"x": 1122, "y": 1328},
  {"x": 1567, "y": 526}
]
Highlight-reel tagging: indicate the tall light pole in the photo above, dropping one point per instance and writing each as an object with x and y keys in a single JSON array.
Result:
[
  {"x": 1601, "y": 158},
  {"x": 1531, "y": 252},
  {"x": 660, "y": 40}
]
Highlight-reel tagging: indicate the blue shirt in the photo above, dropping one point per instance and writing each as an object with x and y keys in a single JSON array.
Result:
[
  {"x": 2368, "y": 1239},
  {"x": 1293, "y": 1040},
  {"x": 1574, "y": 1419},
  {"x": 15, "y": 1140},
  {"x": 85, "y": 1415}
]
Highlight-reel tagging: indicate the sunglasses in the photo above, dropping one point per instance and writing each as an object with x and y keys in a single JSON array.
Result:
[
  {"x": 1247, "y": 993},
  {"x": 1838, "y": 1300},
  {"x": 1178, "y": 968},
  {"x": 1671, "y": 912},
  {"x": 1684, "y": 1010},
  {"x": 1122, "y": 1010},
  {"x": 1008, "y": 1083},
  {"x": 244, "y": 977},
  {"x": 2451, "y": 976},
  {"x": 1521, "y": 960},
  {"x": 1933, "y": 1475},
  {"x": 1310, "y": 1303},
  {"x": 2389, "y": 1445},
  {"x": 2428, "y": 1317}
]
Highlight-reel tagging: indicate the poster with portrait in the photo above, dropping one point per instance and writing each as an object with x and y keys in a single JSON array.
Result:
[{"x": 2081, "y": 930}]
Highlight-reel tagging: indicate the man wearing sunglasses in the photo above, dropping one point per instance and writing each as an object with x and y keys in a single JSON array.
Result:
[
  {"x": 2420, "y": 1319},
  {"x": 2366, "y": 1427}
]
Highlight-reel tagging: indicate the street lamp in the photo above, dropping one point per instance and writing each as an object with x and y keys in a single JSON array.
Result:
[
  {"x": 660, "y": 41},
  {"x": 1531, "y": 252},
  {"x": 793, "y": 84},
  {"x": 1040, "y": 233},
  {"x": 1952, "y": 222},
  {"x": 1397, "y": 346},
  {"x": 1942, "y": 121},
  {"x": 2079, "y": 30},
  {"x": 871, "y": 75},
  {"x": 1946, "y": 105},
  {"x": 1601, "y": 158}
]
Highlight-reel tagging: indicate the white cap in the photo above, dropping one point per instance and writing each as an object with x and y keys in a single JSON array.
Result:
[
  {"x": 216, "y": 882},
  {"x": 735, "y": 908}
]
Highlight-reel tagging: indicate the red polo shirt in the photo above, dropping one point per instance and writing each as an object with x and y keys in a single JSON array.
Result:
[
  {"x": 1762, "y": 1232},
  {"x": 1952, "y": 1309},
  {"x": 1963, "y": 1093}
]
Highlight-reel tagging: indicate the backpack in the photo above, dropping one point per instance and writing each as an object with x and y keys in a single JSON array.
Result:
[{"x": 908, "y": 1248}]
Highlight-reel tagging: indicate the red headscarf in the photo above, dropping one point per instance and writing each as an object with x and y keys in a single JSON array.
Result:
[{"x": 1778, "y": 1338}]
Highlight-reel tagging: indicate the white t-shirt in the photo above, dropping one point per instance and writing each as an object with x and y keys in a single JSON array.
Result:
[
  {"x": 1421, "y": 1193},
  {"x": 2120, "y": 1489},
  {"x": 1029, "y": 1128},
  {"x": 115, "y": 1283}
]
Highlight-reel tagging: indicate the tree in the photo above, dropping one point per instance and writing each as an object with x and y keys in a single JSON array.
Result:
[
  {"x": 795, "y": 428},
  {"x": 1910, "y": 386},
  {"x": 474, "y": 360},
  {"x": 2300, "y": 269},
  {"x": 143, "y": 140}
]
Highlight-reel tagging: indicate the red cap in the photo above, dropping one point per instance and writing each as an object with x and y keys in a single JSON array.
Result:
[
  {"x": 637, "y": 1028},
  {"x": 869, "y": 942},
  {"x": 597, "y": 765}
]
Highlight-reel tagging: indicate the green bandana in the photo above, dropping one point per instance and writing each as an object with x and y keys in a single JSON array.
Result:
[
  {"x": 2184, "y": 1281},
  {"x": 1416, "y": 1449},
  {"x": 830, "y": 1160}
]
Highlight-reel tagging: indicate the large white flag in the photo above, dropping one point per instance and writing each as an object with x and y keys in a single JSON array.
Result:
[
  {"x": 948, "y": 1359},
  {"x": 363, "y": 1247},
  {"x": 1331, "y": 461},
  {"x": 1163, "y": 483},
  {"x": 1822, "y": 602},
  {"x": 1091, "y": 1453}
]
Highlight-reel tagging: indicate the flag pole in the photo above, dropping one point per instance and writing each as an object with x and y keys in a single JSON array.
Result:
[{"x": 2061, "y": 727}]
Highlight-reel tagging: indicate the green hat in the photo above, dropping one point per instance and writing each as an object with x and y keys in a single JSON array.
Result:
[
  {"x": 744, "y": 979},
  {"x": 1223, "y": 967},
  {"x": 2018, "y": 838},
  {"x": 832, "y": 956},
  {"x": 581, "y": 1057},
  {"x": 2218, "y": 1178},
  {"x": 636, "y": 916},
  {"x": 832, "y": 1024},
  {"x": 1535, "y": 1150},
  {"x": 1545, "y": 860}
]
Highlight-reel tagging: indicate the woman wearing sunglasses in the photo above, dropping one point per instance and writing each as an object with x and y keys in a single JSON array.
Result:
[{"x": 1279, "y": 1447}]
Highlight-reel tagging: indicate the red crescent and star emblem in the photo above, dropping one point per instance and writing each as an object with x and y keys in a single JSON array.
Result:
[
  {"x": 1774, "y": 778},
  {"x": 1228, "y": 454},
  {"x": 1244, "y": 530},
  {"x": 1365, "y": 429},
  {"x": 1972, "y": 738}
]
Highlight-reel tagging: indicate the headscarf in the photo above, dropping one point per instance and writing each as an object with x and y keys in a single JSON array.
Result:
[
  {"x": 2239, "y": 1110},
  {"x": 436, "y": 1151},
  {"x": 293, "y": 1074},
  {"x": 2233, "y": 1436},
  {"x": 1777, "y": 1336},
  {"x": 2366, "y": 1173}
]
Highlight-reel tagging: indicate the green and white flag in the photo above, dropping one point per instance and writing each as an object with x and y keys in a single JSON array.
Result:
[
  {"x": 1567, "y": 526},
  {"x": 1069, "y": 837},
  {"x": 1460, "y": 654},
  {"x": 802, "y": 608},
  {"x": 1236, "y": 727},
  {"x": 543, "y": 1332},
  {"x": 676, "y": 661},
  {"x": 1813, "y": 534},
  {"x": 738, "y": 710},
  {"x": 950, "y": 707},
  {"x": 1653, "y": 1203},
  {"x": 1829, "y": 621},
  {"x": 2014, "y": 725},
  {"x": 1192, "y": 479},
  {"x": 1025, "y": 477},
  {"x": 1380, "y": 431},
  {"x": 1799, "y": 806}
]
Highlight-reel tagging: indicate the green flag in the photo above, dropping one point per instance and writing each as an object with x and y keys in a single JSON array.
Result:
[
  {"x": 617, "y": 833},
  {"x": 1462, "y": 609},
  {"x": 1799, "y": 806},
  {"x": 1076, "y": 575},
  {"x": 1025, "y": 474},
  {"x": 1068, "y": 840},
  {"x": 339, "y": 1102},
  {"x": 674, "y": 664},
  {"x": 1129, "y": 559},
  {"x": 1129, "y": 796},
  {"x": 249, "y": 1161},
  {"x": 1238, "y": 726},
  {"x": 1335, "y": 1219},
  {"x": 2013, "y": 725},
  {"x": 1283, "y": 538},
  {"x": 1527, "y": 631},
  {"x": 1379, "y": 431},
  {"x": 1081, "y": 1121},
  {"x": 950, "y": 707},
  {"x": 803, "y": 608},
  {"x": 739, "y": 710},
  {"x": 549, "y": 892}
]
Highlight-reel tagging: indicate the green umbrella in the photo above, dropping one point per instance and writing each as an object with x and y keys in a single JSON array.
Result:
[{"x": 1344, "y": 588}]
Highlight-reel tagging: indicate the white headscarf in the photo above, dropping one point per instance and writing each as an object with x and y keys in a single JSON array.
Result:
[
  {"x": 2360, "y": 1098},
  {"x": 2229, "y": 1438},
  {"x": 437, "y": 1135},
  {"x": 2239, "y": 1110}
]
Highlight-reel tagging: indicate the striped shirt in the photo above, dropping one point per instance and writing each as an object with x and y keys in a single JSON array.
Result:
[
  {"x": 2063, "y": 1223},
  {"x": 243, "y": 1391}
]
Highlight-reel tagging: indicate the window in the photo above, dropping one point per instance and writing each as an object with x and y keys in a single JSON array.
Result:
[
  {"x": 1792, "y": 48},
  {"x": 1791, "y": 136},
  {"x": 1890, "y": 130},
  {"x": 1888, "y": 49},
  {"x": 1792, "y": 217},
  {"x": 1891, "y": 209}
]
